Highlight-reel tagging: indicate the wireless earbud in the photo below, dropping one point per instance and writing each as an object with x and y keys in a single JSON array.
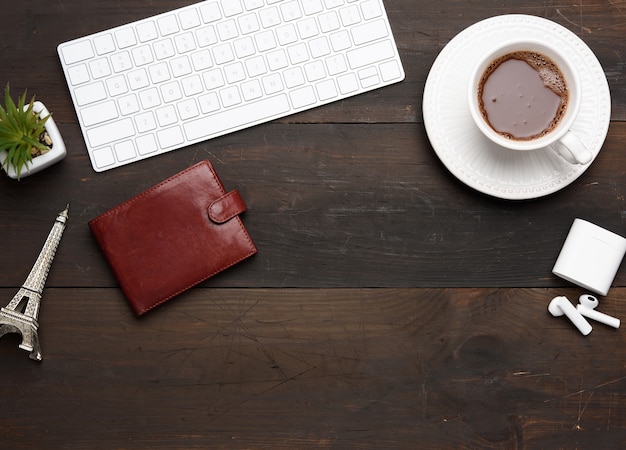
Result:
[
  {"x": 587, "y": 306},
  {"x": 561, "y": 305}
]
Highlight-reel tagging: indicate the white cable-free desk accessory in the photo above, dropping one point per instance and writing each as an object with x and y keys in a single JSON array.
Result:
[
  {"x": 586, "y": 307},
  {"x": 590, "y": 257},
  {"x": 560, "y": 306}
]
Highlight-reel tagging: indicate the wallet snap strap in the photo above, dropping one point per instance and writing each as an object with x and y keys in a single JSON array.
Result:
[{"x": 226, "y": 207}]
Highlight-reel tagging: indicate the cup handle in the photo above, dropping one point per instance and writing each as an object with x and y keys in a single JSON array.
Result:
[{"x": 572, "y": 150}]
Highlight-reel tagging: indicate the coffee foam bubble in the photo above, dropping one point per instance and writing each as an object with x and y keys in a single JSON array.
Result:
[{"x": 548, "y": 71}]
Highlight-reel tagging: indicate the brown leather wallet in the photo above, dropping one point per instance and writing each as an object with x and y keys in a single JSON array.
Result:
[{"x": 173, "y": 236}]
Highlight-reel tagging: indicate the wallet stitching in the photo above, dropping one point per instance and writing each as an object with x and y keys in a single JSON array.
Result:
[{"x": 161, "y": 184}]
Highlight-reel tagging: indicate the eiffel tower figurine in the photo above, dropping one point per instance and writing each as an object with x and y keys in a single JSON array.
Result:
[{"x": 20, "y": 315}]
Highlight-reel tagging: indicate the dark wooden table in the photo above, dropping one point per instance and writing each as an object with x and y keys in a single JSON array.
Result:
[{"x": 389, "y": 306}]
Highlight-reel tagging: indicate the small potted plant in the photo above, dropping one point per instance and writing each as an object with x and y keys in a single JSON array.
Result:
[{"x": 29, "y": 139}]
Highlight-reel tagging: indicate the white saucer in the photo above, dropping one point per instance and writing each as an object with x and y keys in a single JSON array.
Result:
[{"x": 473, "y": 158}]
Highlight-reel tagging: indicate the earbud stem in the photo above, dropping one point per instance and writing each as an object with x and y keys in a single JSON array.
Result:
[{"x": 598, "y": 316}]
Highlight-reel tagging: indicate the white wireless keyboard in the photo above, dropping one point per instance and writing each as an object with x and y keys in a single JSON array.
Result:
[{"x": 214, "y": 67}]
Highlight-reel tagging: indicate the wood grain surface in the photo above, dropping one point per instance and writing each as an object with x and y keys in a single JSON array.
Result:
[{"x": 389, "y": 306}]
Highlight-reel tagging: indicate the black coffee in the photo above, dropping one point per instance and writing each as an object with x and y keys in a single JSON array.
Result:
[{"x": 523, "y": 95}]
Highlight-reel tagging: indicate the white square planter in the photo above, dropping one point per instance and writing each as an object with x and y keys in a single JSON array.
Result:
[{"x": 56, "y": 153}]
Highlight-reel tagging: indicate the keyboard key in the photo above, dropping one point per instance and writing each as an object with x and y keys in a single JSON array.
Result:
[
  {"x": 121, "y": 62},
  {"x": 370, "y": 54},
  {"x": 125, "y": 37},
  {"x": 248, "y": 23},
  {"x": 192, "y": 85},
  {"x": 348, "y": 83},
  {"x": 116, "y": 86},
  {"x": 333, "y": 3},
  {"x": 329, "y": 22},
  {"x": 272, "y": 84},
  {"x": 100, "y": 68},
  {"x": 277, "y": 59},
  {"x": 102, "y": 112},
  {"x": 142, "y": 55},
  {"x": 147, "y": 31},
  {"x": 164, "y": 49},
  {"x": 171, "y": 92},
  {"x": 210, "y": 12},
  {"x": 189, "y": 19},
  {"x": 269, "y": 17},
  {"x": 103, "y": 157},
  {"x": 312, "y": 6},
  {"x": 90, "y": 93},
  {"x": 223, "y": 53},
  {"x": 149, "y": 98},
  {"x": 201, "y": 60},
  {"x": 231, "y": 7},
  {"x": 227, "y": 30},
  {"x": 145, "y": 122},
  {"x": 206, "y": 36},
  {"x": 159, "y": 73},
  {"x": 185, "y": 43},
  {"x": 180, "y": 67},
  {"x": 326, "y": 90},
  {"x": 167, "y": 25},
  {"x": 110, "y": 132},
  {"x": 287, "y": 34},
  {"x": 302, "y": 97},
  {"x": 138, "y": 79},
  {"x": 298, "y": 53},
  {"x": 368, "y": 77},
  {"x": 170, "y": 137},
  {"x": 244, "y": 47},
  {"x": 209, "y": 103},
  {"x": 252, "y": 4},
  {"x": 146, "y": 144},
  {"x": 104, "y": 44},
  {"x": 290, "y": 10},
  {"x": 251, "y": 90},
  {"x": 293, "y": 77},
  {"x": 256, "y": 66},
  {"x": 340, "y": 40},
  {"x": 187, "y": 109},
  {"x": 235, "y": 72},
  {"x": 128, "y": 104},
  {"x": 307, "y": 28},
  {"x": 319, "y": 47},
  {"x": 166, "y": 116},
  {"x": 124, "y": 150},
  {"x": 390, "y": 71},
  {"x": 230, "y": 96},
  {"x": 370, "y": 9},
  {"x": 213, "y": 79},
  {"x": 78, "y": 74},
  {"x": 265, "y": 41},
  {"x": 350, "y": 15},
  {"x": 235, "y": 118},
  {"x": 80, "y": 51},
  {"x": 314, "y": 71},
  {"x": 336, "y": 64},
  {"x": 369, "y": 32}
]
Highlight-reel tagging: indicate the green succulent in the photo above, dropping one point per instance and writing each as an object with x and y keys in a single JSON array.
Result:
[{"x": 20, "y": 131}]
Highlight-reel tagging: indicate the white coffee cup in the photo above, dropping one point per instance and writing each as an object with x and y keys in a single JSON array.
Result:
[{"x": 560, "y": 139}]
